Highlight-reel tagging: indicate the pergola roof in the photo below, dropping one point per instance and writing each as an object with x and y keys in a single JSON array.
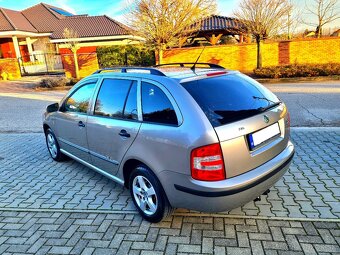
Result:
[{"x": 218, "y": 24}]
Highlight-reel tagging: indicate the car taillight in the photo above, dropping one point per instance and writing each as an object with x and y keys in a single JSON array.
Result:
[{"x": 207, "y": 163}]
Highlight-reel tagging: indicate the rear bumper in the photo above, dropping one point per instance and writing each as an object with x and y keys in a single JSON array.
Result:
[{"x": 185, "y": 192}]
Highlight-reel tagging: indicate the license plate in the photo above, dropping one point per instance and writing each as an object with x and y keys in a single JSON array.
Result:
[{"x": 263, "y": 135}]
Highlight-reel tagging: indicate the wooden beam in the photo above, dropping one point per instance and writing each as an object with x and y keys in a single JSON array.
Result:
[
  {"x": 214, "y": 39},
  {"x": 181, "y": 41}
]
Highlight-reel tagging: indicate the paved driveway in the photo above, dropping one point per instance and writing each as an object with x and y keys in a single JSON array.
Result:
[
  {"x": 22, "y": 107},
  {"x": 62, "y": 208},
  {"x": 30, "y": 179}
]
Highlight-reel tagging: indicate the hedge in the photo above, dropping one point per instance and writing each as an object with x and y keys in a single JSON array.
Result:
[
  {"x": 134, "y": 55},
  {"x": 57, "y": 82},
  {"x": 297, "y": 70}
]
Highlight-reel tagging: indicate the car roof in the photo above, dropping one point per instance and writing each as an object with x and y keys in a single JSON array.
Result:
[{"x": 181, "y": 72}]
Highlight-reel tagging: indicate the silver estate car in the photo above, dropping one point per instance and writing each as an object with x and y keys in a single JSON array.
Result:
[{"x": 179, "y": 135}]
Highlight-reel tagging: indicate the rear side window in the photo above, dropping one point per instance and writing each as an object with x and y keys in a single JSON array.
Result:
[
  {"x": 80, "y": 99},
  {"x": 112, "y": 98},
  {"x": 229, "y": 98},
  {"x": 157, "y": 107}
]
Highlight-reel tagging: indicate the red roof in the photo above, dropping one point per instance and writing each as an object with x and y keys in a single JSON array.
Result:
[
  {"x": 91, "y": 26},
  {"x": 42, "y": 18},
  {"x": 5, "y": 25},
  {"x": 14, "y": 20}
]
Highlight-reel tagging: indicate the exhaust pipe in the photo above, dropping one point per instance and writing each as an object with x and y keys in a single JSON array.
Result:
[
  {"x": 266, "y": 192},
  {"x": 259, "y": 197}
]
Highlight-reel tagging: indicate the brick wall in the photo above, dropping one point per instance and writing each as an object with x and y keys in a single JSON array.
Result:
[
  {"x": 87, "y": 61},
  {"x": 11, "y": 67},
  {"x": 243, "y": 56}
]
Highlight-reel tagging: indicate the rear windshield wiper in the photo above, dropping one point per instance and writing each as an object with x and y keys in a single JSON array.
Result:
[
  {"x": 263, "y": 109},
  {"x": 263, "y": 98}
]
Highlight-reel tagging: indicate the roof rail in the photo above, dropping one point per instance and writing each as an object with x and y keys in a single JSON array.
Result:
[
  {"x": 191, "y": 63},
  {"x": 124, "y": 70}
]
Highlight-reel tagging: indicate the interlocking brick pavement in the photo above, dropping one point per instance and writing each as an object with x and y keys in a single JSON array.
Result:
[
  {"x": 66, "y": 208},
  {"x": 30, "y": 179},
  {"x": 119, "y": 233}
]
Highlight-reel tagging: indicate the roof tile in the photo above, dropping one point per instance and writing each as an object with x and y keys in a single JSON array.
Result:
[
  {"x": 91, "y": 26},
  {"x": 5, "y": 25},
  {"x": 44, "y": 18},
  {"x": 216, "y": 22},
  {"x": 17, "y": 20}
]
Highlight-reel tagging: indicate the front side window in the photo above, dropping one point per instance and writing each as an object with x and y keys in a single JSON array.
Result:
[
  {"x": 157, "y": 107},
  {"x": 79, "y": 101},
  {"x": 112, "y": 99}
]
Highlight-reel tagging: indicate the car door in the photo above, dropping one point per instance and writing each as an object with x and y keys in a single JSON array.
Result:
[
  {"x": 113, "y": 125},
  {"x": 71, "y": 120}
]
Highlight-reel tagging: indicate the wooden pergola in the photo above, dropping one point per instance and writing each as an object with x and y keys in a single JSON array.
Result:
[{"x": 212, "y": 28}]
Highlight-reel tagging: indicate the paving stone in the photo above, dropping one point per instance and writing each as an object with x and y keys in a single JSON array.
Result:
[
  {"x": 310, "y": 190},
  {"x": 78, "y": 189}
]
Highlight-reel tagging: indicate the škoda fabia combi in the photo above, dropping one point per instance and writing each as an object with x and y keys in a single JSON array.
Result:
[{"x": 190, "y": 136}]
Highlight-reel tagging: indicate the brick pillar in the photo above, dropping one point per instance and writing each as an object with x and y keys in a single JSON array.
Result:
[{"x": 284, "y": 53}]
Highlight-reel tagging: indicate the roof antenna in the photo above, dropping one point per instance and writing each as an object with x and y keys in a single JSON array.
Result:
[{"x": 193, "y": 67}]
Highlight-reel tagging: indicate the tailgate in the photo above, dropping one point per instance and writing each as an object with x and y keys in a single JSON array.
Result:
[{"x": 251, "y": 142}]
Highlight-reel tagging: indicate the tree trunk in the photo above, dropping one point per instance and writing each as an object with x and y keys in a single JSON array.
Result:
[
  {"x": 259, "y": 52},
  {"x": 160, "y": 55},
  {"x": 76, "y": 66}
]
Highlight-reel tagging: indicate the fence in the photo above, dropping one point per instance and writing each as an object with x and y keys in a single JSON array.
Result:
[
  {"x": 243, "y": 56},
  {"x": 43, "y": 63},
  {"x": 87, "y": 64}
]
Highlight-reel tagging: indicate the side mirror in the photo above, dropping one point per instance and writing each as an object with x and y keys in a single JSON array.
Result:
[{"x": 52, "y": 107}]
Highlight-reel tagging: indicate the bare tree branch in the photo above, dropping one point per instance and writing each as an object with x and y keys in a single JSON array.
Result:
[
  {"x": 72, "y": 43},
  {"x": 164, "y": 22},
  {"x": 262, "y": 19},
  {"x": 324, "y": 12}
]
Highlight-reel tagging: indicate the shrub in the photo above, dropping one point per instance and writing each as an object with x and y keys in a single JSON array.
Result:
[
  {"x": 135, "y": 55},
  {"x": 56, "y": 82},
  {"x": 289, "y": 71}
]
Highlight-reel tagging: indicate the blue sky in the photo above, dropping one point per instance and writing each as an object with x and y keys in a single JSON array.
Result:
[
  {"x": 116, "y": 8},
  {"x": 112, "y": 8}
]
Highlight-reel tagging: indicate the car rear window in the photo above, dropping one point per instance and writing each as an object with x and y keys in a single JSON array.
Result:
[{"x": 228, "y": 98}]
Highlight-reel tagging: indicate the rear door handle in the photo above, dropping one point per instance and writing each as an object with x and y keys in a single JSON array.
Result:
[
  {"x": 81, "y": 124},
  {"x": 124, "y": 133}
]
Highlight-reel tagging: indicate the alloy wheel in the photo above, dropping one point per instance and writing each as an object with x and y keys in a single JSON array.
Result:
[{"x": 145, "y": 195}]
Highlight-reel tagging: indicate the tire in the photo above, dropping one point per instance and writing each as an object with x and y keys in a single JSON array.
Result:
[
  {"x": 53, "y": 146},
  {"x": 148, "y": 195}
]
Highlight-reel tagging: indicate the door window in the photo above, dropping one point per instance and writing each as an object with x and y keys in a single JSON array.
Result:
[
  {"x": 112, "y": 99},
  {"x": 157, "y": 107},
  {"x": 80, "y": 99}
]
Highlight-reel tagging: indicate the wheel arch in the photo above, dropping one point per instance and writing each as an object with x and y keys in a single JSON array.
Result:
[
  {"x": 128, "y": 167},
  {"x": 45, "y": 127}
]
